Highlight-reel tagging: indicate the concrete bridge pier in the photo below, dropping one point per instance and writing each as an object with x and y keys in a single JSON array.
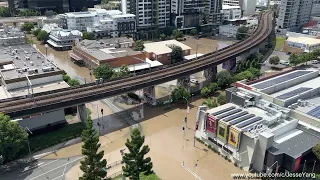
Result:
[
  {"x": 149, "y": 95},
  {"x": 82, "y": 113},
  {"x": 185, "y": 82},
  {"x": 210, "y": 73}
]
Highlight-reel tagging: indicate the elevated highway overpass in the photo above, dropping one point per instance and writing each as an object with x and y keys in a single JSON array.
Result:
[{"x": 63, "y": 98}]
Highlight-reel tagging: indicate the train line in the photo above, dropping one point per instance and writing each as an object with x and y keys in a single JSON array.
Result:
[{"x": 262, "y": 32}]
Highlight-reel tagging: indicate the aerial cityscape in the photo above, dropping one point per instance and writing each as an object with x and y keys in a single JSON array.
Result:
[{"x": 159, "y": 89}]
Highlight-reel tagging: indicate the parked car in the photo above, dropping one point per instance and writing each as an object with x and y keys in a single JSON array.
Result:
[
  {"x": 283, "y": 62},
  {"x": 315, "y": 62},
  {"x": 194, "y": 81}
]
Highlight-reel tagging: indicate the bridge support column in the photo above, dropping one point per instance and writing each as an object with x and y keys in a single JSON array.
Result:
[
  {"x": 149, "y": 95},
  {"x": 210, "y": 73},
  {"x": 185, "y": 82},
  {"x": 230, "y": 65},
  {"x": 82, "y": 113}
]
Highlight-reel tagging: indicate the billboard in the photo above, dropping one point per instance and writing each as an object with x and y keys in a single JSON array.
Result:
[
  {"x": 211, "y": 124},
  {"x": 233, "y": 137},
  {"x": 222, "y": 131},
  {"x": 296, "y": 164}
]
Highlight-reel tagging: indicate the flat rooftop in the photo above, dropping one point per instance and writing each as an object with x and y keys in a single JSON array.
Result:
[
  {"x": 281, "y": 79},
  {"x": 4, "y": 93},
  {"x": 304, "y": 40},
  {"x": 164, "y": 47},
  {"x": 297, "y": 89},
  {"x": 145, "y": 65},
  {"x": 110, "y": 53},
  {"x": 103, "y": 43},
  {"x": 21, "y": 60}
]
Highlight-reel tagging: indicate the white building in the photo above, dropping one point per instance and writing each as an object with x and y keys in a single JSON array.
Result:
[
  {"x": 293, "y": 14},
  {"x": 230, "y": 12},
  {"x": 247, "y": 6},
  {"x": 263, "y": 3},
  {"x": 100, "y": 21},
  {"x": 230, "y": 30},
  {"x": 306, "y": 44},
  {"x": 64, "y": 39},
  {"x": 48, "y": 20}
]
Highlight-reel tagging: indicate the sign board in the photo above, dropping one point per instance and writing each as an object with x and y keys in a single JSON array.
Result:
[
  {"x": 222, "y": 131},
  {"x": 233, "y": 137},
  {"x": 211, "y": 123},
  {"x": 296, "y": 164}
]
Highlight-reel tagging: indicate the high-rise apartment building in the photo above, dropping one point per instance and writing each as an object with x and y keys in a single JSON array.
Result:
[
  {"x": 293, "y": 14},
  {"x": 315, "y": 8},
  {"x": 186, "y": 13},
  {"x": 149, "y": 13}
]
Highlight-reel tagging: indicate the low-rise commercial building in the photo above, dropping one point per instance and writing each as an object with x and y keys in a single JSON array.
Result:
[
  {"x": 24, "y": 72},
  {"x": 64, "y": 39},
  {"x": 161, "y": 50},
  {"x": 255, "y": 128},
  {"x": 48, "y": 20},
  {"x": 306, "y": 44},
  {"x": 114, "y": 52},
  {"x": 232, "y": 26}
]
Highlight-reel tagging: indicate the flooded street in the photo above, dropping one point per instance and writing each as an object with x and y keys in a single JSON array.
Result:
[{"x": 170, "y": 146}]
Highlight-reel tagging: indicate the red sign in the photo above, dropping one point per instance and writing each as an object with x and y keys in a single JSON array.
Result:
[
  {"x": 296, "y": 164},
  {"x": 211, "y": 123}
]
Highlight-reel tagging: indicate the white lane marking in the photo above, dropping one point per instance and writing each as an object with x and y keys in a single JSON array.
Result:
[
  {"x": 56, "y": 168},
  {"x": 28, "y": 167},
  {"x": 34, "y": 167},
  {"x": 195, "y": 175},
  {"x": 58, "y": 177}
]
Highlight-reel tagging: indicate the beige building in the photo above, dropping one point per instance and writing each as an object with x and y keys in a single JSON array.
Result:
[{"x": 161, "y": 51}]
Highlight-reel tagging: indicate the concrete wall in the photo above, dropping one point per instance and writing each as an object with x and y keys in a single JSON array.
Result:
[
  {"x": 43, "y": 120},
  {"x": 305, "y": 118},
  {"x": 283, "y": 128},
  {"x": 290, "y": 83},
  {"x": 246, "y": 151}
]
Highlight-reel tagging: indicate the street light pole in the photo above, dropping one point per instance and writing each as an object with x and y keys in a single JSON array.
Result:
[
  {"x": 28, "y": 141},
  {"x": 186, "y": 118}
]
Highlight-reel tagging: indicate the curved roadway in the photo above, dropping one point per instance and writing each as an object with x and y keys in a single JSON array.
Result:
[{"x": 82, "y": 94}]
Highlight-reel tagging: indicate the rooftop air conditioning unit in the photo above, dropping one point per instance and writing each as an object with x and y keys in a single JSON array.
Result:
[{"x": 31, "y": 63}]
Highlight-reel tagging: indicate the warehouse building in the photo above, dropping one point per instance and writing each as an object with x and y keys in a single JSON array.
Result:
[{"x": 25, "y": 72}]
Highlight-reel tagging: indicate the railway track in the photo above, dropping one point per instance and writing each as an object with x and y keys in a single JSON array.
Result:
[{"x": 261, "y": 33}]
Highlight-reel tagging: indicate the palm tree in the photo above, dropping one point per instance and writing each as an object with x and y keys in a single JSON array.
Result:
[{"x": 210, "y": 103}]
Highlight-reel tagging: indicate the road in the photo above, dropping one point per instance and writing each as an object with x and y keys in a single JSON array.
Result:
[
  {"x": 43, "y": 169},
  {"x": 19, "y": 19}
]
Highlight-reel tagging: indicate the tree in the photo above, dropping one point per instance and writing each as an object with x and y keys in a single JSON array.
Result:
[
  {"x": 36, "y": 31},
  {"x": 43, "y": 36},
  {"x": 177, "y": 34},
  {"x": 13, "y": 139},
  {"x": 66, "y": 78},
  {"x": 103, "y": 71},
  {"x": 244, "y": 75},
  {"x": 93, "y": 163},
  {"x": 5, "y": 12},
  {"x": 134, "y": 162},
  {"x": 224, "y": 79},
  {"x": 123, "y": 71},
  {"x": 179, "y": 93},
  {"x": 213, "y": 87},
  {"x": 205, "y": 92},
  {"x": 162, "y": 36},
  {"x": 138, "y": 45},
  {"x": 176, "y": 54},
  {"x": 221, "y": 99},
  {"x": 274, "y": 60},
  {"x": 254, "y": 71},
  {"x": 49, "y": 13},
  {"x": 242, "y": 33},
  {"x": 104, "y": 1},
  {"x": 27, "y": 26},
  {"x": 194, "y": 32},
  {"x": 316, "y": 151},
  {"x": 73, "y": 82},
  {"x": 88, "y": 35},
  {"x": 294, "y": 59},
  {"x": 210, "y": 103}
]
